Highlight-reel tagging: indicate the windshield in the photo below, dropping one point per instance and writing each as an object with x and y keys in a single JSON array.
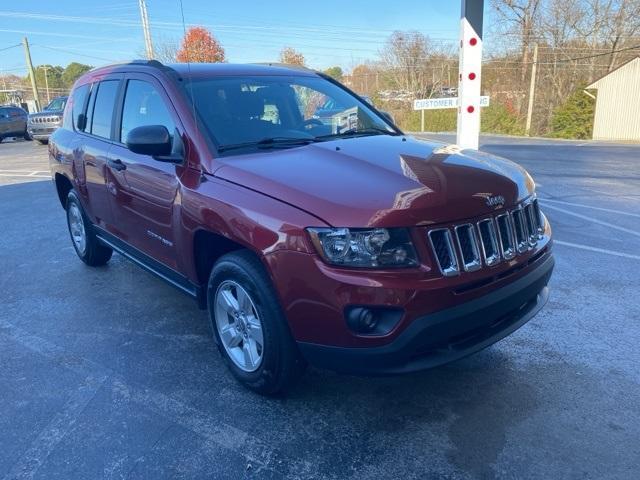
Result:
[
  {"x": 280, "y": 111},
  {"x": 57, "y": 104}
]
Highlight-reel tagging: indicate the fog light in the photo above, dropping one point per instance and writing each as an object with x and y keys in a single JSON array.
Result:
[{"x": 362, "y": 320}]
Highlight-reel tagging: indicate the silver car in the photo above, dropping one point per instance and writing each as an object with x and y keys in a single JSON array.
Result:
[{"x": 42, "y": 125}]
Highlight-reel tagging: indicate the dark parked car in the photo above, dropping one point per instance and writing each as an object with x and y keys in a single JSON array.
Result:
[
  {"x": 13, "y": 122},
  {"x": 350, "y": 246},
  {"x": 44, "y": 123}
]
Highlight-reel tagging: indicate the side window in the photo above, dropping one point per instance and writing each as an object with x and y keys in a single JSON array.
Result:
[
  {"x": 78, "y": 101},
  {"x": 103, "y": 108},
  {"x": 143, "y": 105}
]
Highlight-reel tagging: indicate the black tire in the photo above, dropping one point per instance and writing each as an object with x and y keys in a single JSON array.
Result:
[
  {"x": 1, "y": 138},
  {"x": 95, "y": 254},
  {"x": 281, "y": 365},
  {"x": 26, "y": 135},
  {"x": 43, "y": 142}
]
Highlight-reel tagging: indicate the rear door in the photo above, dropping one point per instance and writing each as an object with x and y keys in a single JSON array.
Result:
[
  {"x": 94, "y": 141},
  {"x": 144, "y": 189}
]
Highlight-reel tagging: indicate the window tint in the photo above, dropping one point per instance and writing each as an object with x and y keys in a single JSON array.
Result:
[
  {"x": 77, "y": 104},
  {"x": 143, "y": 105},
  {"x": 103, "y": 108}
]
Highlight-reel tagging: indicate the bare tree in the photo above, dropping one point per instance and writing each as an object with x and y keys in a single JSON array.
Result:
[{"x": 522, "y": 16}]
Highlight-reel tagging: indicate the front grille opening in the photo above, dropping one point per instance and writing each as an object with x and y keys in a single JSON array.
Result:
[
  {"x": 520, "y": 227},
  {"x": 505, "y": 230},
  {"x": 489, "y": 242},
  {"x": 532, "y": 227},
  {"x": 468, "y": 247},
  {"x": 538, "y": 218},
  {"x": 445, "y": 255}
]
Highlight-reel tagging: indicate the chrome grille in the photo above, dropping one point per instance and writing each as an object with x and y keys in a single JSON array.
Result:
[
  {"x": 468, "y": 247},
  {"x": 442, "y": 244},
  {"x": 489, "y": 241}
]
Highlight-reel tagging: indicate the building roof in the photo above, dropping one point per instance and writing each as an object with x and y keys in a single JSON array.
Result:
[{"x": 616, "y": 71}]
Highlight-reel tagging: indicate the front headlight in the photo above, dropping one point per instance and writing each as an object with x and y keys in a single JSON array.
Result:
[{"x": 365, "y": 247}]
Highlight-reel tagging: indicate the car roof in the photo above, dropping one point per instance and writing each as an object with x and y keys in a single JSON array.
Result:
[{"x": 199, "y": 70}]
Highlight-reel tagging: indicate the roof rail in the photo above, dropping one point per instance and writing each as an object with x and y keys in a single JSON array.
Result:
[
  {"x": 151, "y": 63},
  {"x": 286, "y": 65}
]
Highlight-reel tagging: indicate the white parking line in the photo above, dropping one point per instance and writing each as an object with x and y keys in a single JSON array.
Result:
[
  {"x": 595, "y": 249},
  {"x": 593, "y": 220},
  {"x": 602, "y": 209},
  {"x": 30, "y": 175}
]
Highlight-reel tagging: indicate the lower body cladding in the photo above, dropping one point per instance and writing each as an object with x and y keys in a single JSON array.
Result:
[{"x": 427, "y": 340}]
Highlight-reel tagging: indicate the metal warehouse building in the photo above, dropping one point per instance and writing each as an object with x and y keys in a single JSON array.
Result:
[{"x": 618, "y": 104}]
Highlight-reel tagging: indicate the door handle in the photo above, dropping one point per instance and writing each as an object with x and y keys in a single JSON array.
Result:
[{"x": 117, "y": 164}]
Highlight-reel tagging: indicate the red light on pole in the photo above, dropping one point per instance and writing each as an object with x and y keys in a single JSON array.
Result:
[
  {"x": 471, "y": 109},
  {"x": 473, "y": 42},
  {"x": 472, "y": 76}
]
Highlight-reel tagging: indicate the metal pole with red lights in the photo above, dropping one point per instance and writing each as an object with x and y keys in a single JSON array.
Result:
[{"x": 470, "y": 73}]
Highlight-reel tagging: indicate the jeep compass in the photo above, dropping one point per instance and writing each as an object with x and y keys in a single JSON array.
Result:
[{"x": 332, "y": 239}]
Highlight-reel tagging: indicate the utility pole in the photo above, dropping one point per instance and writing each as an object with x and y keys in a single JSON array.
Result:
[
  {"x": 470, "y": 73},
  {"x": 532, "y": 89},
  {"x": 32, "y": 74},
  {"x": 46, "y": 81},
  {"x": 145, "y": 28}
]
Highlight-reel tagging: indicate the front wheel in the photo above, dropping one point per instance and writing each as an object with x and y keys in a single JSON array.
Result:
[
  {"x": 84, "y": 240},
  {"x": 251, "y": 331},
  {"x": 26, "y": 135}
]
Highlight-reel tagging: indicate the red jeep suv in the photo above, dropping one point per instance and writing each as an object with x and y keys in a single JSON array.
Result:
[{"x": 339, "y": 242}]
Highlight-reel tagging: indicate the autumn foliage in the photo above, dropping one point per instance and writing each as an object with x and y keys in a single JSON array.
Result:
[
  {"x": 200, "y": 46},
  {"x": 290, "y": 56}
]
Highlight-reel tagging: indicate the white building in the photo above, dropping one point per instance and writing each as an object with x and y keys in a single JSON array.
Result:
[{"x": 618, "y": 104}]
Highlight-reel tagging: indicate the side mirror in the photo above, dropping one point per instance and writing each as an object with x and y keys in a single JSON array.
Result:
[
  {"x": 387, "y": 117},
  {"x": 151, "y": 140}
]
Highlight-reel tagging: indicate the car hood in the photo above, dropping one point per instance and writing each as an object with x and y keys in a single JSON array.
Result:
[
  {"x": 382, "y": 181},
  {"x": 47, "y": 113}
]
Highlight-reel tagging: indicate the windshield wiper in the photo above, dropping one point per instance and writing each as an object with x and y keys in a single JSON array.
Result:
[
  {"x": 270, "y": 142},
  {"x": 354, "y": 132}
]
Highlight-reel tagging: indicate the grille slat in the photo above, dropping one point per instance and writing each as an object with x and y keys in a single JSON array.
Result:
[
  {"x": 442, "y": 244},
  {"x": 505, "y": 231},
  {"x": 520, "y": 230},
  {"x": 468, "y": 247},
  {"x": 489, "y": 241}
]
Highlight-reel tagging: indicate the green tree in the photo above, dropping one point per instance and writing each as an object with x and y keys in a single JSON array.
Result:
[
  {"x": 72, "y": 72},
  {"x": 498, "y": 118},
  {"x": 335, "y": 72},
  {"x": 574, "y": 119}
]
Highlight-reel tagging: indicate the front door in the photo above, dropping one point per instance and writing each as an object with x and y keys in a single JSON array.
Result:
[{"x": 143, "y": 189}]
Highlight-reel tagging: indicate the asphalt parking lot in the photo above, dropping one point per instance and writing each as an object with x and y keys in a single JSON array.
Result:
[{"x": 110, "y": 373}]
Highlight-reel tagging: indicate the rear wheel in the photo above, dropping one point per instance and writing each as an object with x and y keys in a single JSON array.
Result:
[
  {"x": 251, "y": 331},
  {"x": 43, "y": 142},
  {"x": 84, "y": 240}
]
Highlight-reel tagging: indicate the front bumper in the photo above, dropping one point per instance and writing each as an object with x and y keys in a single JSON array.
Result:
[
  {"x": 41, "y": 132},
  {"x": 445, "y": 335}
]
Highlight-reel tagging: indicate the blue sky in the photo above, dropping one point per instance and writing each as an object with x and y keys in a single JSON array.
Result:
[{"x": 327, "y": 32}]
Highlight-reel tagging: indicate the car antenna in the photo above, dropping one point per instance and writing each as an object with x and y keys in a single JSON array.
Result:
[{"x": 193, "y": 101}]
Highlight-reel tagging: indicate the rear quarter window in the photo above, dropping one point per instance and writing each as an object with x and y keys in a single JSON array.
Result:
[{"x": 75, "y": 116}]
